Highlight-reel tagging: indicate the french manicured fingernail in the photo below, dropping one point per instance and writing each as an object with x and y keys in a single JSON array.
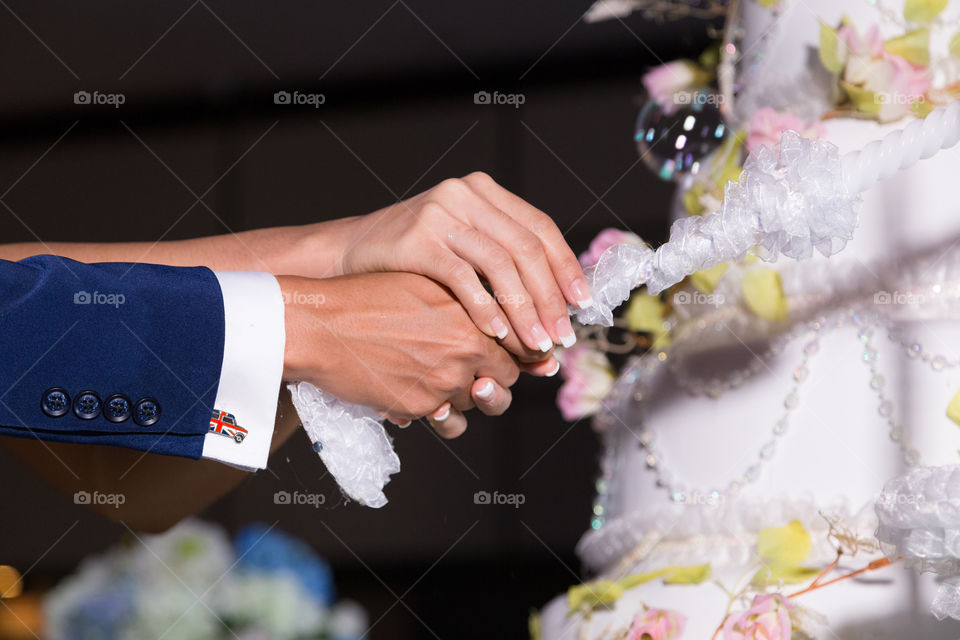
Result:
[
  {"x": 442, "y": 413},
  {"x": 581, "y": 291},
  {"x": 486, "y": 391},
  {"x": 403, "y": 425},
  {"x": 499, "y": 327},
  {"x": 556, "y": 368},
  {"x": 544, "y": 343},
  {"x": 567, "y": 337}
]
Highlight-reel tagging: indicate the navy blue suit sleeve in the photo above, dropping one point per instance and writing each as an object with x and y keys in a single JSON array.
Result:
[{"x": 114, "y": 353}]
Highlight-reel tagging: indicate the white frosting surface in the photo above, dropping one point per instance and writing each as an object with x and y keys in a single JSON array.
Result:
[{"x": 837, "y": 449}]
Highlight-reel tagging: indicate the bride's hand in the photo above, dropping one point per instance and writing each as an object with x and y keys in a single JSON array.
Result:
[{"x": 470, "y": 226}]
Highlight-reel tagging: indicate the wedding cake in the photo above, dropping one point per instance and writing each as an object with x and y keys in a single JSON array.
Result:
[{"x": 745, "y": 453}]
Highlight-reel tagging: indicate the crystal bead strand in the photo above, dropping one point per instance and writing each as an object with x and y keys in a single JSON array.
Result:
[
  {"x": 679, "y": 494},
  {"x": 641, "y": 372},
  {"x": 715, "y": 387},
  {"x": 885, "y": 406}
]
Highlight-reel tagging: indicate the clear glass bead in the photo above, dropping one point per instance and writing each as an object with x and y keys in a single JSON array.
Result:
[
  {"x": 800, "y": 374},
  {"x": 752, "y": 473},
  {"x": 886, "y": 408},
  {"x": 733, "y": 488},
  {"x": 939, "y": 363},
  {"x": 791, "y": 401},
  {"x": 876, "y": 382},
  {"x": 811, "y": 348},
  {"x": 767, "y": 450},
  {"x": 914, "y": 350},
  {"x": 780, "y": 427},
  {"x": 652, "y": 461},
  {"x": 869, "y": 355},
  {"x": 912, "y": 457},
  {"x": 896, "y": 433}
]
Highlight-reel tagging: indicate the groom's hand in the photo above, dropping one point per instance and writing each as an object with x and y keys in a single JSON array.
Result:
[{"x": 396, "y": 342}]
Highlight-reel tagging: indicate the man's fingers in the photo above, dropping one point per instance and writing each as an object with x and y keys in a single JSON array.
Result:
[
  {"x": 447, "y": 421},
  {"x": 490, "y": 397},
  {"x": 545, "y": 368},
  {"x": 499, "y": 365}
]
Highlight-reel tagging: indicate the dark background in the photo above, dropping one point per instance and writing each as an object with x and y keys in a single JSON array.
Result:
[{"x": 398, "y": 77}]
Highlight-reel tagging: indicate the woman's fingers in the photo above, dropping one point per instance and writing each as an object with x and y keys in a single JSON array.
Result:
[
  {"x": 447, "y": 421},
  {"x": 489, "y": 397},
  {"x": 499, "y": 267},
  {"x": 461, "y": 278},
  {"x": 520, "y": 352},
  {"x": 536, "y": 273},
  {"x": 564, "y": 264},
  {"x": 498, "y": 245}
]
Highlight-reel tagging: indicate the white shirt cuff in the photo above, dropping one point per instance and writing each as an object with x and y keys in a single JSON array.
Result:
[{"x": 241, "y": 426}]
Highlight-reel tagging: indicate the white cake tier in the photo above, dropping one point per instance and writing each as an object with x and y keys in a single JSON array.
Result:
[
  {"x": 857, "y": 387},
  {"x": 837, "y": 443}
]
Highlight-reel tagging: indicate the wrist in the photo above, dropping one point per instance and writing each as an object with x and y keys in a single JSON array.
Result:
[
  {"x": 311, "y": 351},
  {"x": 318, "y": 250},
  {"x": 296, "y": 321}
]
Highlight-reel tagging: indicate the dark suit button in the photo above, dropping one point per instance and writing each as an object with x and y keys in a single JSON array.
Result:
[
  {"x": 87, "y": 405},
  {"x": 55, "y": 402},
  {"x": 147, "y": 412},
  {"x": 116, "y": 408}
]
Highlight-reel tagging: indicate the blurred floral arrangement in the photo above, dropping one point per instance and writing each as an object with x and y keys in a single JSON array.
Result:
[{"x": 194, "y": 583}]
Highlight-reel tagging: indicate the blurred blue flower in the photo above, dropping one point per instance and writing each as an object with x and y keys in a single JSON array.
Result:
[
  {"x": 103, "y": 614},
  {"x": 262, "y": 549}
]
